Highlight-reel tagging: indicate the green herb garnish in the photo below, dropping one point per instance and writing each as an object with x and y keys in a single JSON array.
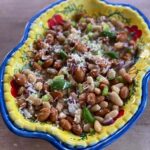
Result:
[
  {"x": 105, "y": 91},
  {"x": 89, "y": 27},
  {"x": 63, "y": 55},
  {"x": 40, "y": 62},
  {"x": 46, "y": 97},
  {"x": 87, "y": 116},
  {"x": 105, "y": 27},
  {"x": 59, "y": 83},
  {"x": 111, "y": 35},
  {"x": 120, "y": 79},
  {"x": 83, "y": 136},
  {"x": 111, "y": 54},
  {"x": 80, "y": 87}
]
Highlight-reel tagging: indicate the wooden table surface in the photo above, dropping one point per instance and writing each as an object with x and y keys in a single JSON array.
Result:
[{"x": 13, "y": 16}]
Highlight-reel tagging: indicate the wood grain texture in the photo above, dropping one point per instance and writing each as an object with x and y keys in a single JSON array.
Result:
[{"x": 13, "y": 16}]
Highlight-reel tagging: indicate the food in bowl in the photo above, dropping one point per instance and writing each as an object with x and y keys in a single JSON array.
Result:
[{"x": 77, "y": 76}]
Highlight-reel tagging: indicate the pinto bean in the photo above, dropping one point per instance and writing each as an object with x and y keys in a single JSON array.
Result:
[
  {"x": 31, "y": 78},
  {"x": 46, "y": 87},
  {"x": 81, "y": 47},
  {"x": 43, "y": 114},
  {"x": 122, "y": 71},
  {"x": 20, "y": 79},
  {"x": 119, "y": 85},
  {"x": 97, "y": 126},
  {"x": 86, "y": 127},
  {"x": 115, "y": 107},
  {"x": 115, "y": 89},
  {"x": 70, "y": 119},
  {"x": 82, "y": 96},
  {"x": 39, "y": 44},
  {"x": 65, "y": 124},
  {"x": 66, "y": 25},
  {"x": 124, "y": 92},
  {"x": 49, "y": 39},
  {"x": 104, "y": 104},
  {"x": 122, "y": 36},
  {"x": 97, "y": 91},
  {"x": 90, "y": 81},
  {"x": 99, "y": 99},
  {"x": 36, "y": 66},
  {"x": 102, "y": 112},
  {"x": 38, "y": 56},
  {"x": 57, "y": 94},
  {"x": 95, "y": 108},
  {"x": 48, "y": 63},
  {"x": 119, "y": 45},
  {"x": 114, "y": 97},
  {"x": 133, "y": 43},
  {"x": 21, "y": 90},
  {"x": 61, "y": 38},
  {"x": 91, "y": 98},
  {"x": 53, "y": 114},
  {"x": 58, "y": 64},
  {"x": 94, "y": 73},
  {"x": 52, "y": 32},
  {"x": 62, "y": 115},
  {"x": 117, "y": 23},
  {"x": 46, "y": 105},
  {"x": 34, "y": 100},
  {"x": 76, "y": 129},
  {"x": 79, "y": 75},
  {"x": 112, "y": 114},
  {"x": 127, "y": 78},
  {"x": 38, "y": 86},
  {"x": 52, "y": 71},
  {"x": 100, "y": 119},
  {"x": 127, "y": 56},
  {"x": 21, "y": 102}
]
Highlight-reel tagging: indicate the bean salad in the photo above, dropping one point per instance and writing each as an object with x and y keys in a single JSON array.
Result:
[{"x": 78, "y": 73}]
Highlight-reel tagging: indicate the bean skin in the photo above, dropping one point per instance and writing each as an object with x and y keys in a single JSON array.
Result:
[
  {"x": 43, "y": 114},
  {"x": 95, "y": 108},
  {"x": 81, "y": 47},
  {"x": 79, "y": 75},
  {"x": 112, "y": 114},
  {"x": 122, "y": 36},
  {"x": 127, "y": 78},
  {"x": 115, "y": 98},
  {"x": 124, "y": 92},
  {"x": 20, "y": 79},
  {"x": 97, "y": 126},
  {"x": 58, "y": 64},
  {"x": 102, "y": 112},
  {"x": 53, "y": 114},
  {"x": 48, "y": 63},
  {"x": 57, "y": 94},
  {"x": 99, "y": 99},
  {"x": 76, "y": 129},
  {"x": 36, "y": 66},
  {"x": 91, "y": 98},
  {"x": 65, "y": 124}
]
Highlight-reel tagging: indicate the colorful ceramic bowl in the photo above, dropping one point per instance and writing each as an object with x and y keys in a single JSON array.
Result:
[{"x": 18, "y": 57}]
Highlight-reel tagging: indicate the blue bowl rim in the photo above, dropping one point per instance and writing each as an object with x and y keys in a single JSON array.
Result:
[{"x": 50, "y": 138}]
